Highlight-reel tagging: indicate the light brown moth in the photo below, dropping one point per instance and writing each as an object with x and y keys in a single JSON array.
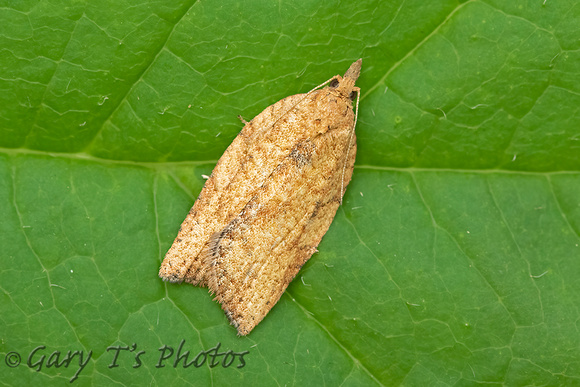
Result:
[{"x": 269, "y": 201}]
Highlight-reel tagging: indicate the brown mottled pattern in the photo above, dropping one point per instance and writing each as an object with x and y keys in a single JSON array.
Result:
[{"x": 269, "y": 202}]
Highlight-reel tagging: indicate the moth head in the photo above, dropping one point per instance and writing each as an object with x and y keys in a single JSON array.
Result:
[{"x": 343, "y": 86}]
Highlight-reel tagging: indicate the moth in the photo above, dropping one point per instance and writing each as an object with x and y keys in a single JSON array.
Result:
[{"x": 269, "y": 201}]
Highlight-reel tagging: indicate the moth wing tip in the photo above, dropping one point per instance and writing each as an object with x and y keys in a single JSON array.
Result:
[
  {"x": 167, "y": 274},
  {"x": 242, "y": 329}
]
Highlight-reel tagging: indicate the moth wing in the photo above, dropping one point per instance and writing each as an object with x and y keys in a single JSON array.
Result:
[
  {"x": 283, "y": 223},
  {"x": 225, "y": 194}
]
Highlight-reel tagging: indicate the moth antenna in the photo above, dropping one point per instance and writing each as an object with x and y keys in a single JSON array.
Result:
[
  {"x": 349, "y": 144},
  {"x": 303, "y": 98},
  {"x": 321, "y": 85},
  {"x": 297, "y": 103}
]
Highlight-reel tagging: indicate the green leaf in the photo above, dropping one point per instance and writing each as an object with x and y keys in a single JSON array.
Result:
[{"x": 454, "y": 259}]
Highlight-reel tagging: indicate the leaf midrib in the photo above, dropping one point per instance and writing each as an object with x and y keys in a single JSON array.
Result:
[{"x": 81, "y": 156}]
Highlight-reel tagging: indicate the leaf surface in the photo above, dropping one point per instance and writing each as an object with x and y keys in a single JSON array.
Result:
[{"x": 454, "y": 258}]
